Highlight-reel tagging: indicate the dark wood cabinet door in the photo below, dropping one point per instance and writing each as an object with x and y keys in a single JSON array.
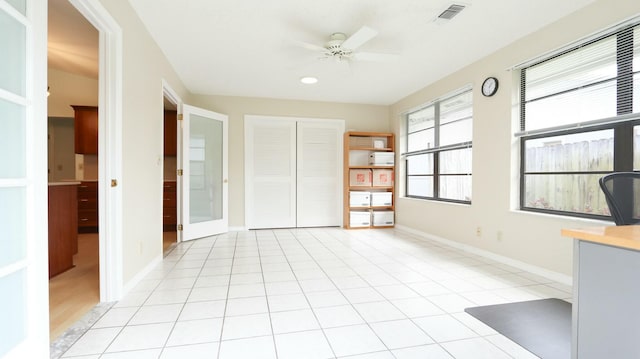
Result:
[
  {"x": 86, "y": 129},
  {"x": 170, "y": 133}
]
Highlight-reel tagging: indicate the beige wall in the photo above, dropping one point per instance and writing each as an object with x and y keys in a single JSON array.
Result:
[
  {"x": 531, "y": 238},
  {"x": 357, "y": 117},
  {"x": 144, "y": 68}
]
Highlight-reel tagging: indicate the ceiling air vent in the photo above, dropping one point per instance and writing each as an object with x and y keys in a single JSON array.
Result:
[{"x": 450, "y": 12}]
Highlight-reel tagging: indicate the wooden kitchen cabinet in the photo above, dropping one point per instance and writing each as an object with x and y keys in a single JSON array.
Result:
[
  {"x": 63, "y": 227},
  {"x": 88, "y": 207},
  {"x": 86, "y": 129},
  {"x": 169, "y": 214},
  {"x": 170, "y": 132}
]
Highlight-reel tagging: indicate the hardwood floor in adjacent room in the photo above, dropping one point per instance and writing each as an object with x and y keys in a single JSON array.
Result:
[{"x": 73, "y": 293}]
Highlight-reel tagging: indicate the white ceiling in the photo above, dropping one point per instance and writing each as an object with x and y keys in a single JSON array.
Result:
[
  {"x": 73, "y": 41},
  {"x": 250, "y": 47}
]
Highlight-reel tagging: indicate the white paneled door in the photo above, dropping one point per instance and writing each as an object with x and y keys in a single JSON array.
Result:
[
  {"x": 270, "y": 173},
  {"x": 24, "y": 306},
  {"x": 204, "y": 180},
  {"x": 293, "y": 172},
  {"x": 319, "y": 173}
]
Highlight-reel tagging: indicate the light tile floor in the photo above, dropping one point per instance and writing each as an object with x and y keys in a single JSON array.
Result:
[{"x": 314, "y": 293}]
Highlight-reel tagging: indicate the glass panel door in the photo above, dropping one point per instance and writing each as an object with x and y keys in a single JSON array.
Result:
[
  {"x": 23, "y": 180},
  {"x": 204, "y": 179}
]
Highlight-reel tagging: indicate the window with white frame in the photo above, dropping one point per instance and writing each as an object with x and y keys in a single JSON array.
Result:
[
  {"x": 438, "y": 153},
  {"x": 579, "y": 120}
]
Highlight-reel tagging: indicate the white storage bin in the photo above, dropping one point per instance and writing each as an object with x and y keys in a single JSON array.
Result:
[
  {"x": 359, "y": 219},
  {"x": 382, "y": 158},
  {"x": 381, "y": 199},
  {"x": 383, "y": 218},
  {"x": 359, "y": 199}
]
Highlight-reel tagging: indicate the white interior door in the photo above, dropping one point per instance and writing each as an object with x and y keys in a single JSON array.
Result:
[
  {"x": 319, "y": 173},
  {"x": 24, "y": 306},
  {"x": 270, "y": 173},
  {"x": 204, "y": 181}
]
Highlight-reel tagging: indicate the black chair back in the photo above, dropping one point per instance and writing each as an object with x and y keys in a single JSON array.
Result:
[{"x": 622, "y": 191}]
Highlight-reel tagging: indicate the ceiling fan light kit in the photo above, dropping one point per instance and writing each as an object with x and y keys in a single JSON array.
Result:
[{"x": 343, "y": 48}]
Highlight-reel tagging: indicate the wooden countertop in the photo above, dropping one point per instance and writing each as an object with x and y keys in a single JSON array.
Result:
[
  {"x": 619, "y": 236},
  {"x": 63, "y": 183}
]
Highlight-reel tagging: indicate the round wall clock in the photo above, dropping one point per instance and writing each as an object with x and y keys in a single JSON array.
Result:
[{"x": 490, "y": 86}]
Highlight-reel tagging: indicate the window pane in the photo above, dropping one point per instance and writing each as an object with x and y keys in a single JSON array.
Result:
[
  {"x": 455, "y": 161},
  {"x": 14, "y": 224},
  {"x": 570, "y": 193},
  {"x": 420, "y": 164},
  {"x": 588, "y": 151},
  {"x": 20, "y": 5},
  {"x": 12, "y": 140},
  {"x": 591, "y": 103},
  {"x": 13, "y": 309},
  {"x": 455, "y": 187},
  {"x": 12, "y": 41},
  {"x": 636, "y": 88},
  {"x": 421, "y": 120},
  {"x": 456, "y": 132},
  {"x": 421, "y": 140},
  {"x": 421, "y": 186},
  {"x": 636, "y": 148},
  {"x": 578, "y": 68},
  {"x": 205, "y": 161},
  {"x": 456, "y": 108}
]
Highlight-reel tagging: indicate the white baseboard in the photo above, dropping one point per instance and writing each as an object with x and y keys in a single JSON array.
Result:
[
  {"x": 141, "y": 274},
  {"x": 555, "y": 276}
]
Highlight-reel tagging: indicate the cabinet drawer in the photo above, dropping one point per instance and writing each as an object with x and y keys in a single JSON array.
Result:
[
  {"x": 87, "y": 218},
  {"x": 88, "y": 187},
  {"x": 169, "y": 201},
  {"x": 88, "y": 203},
  {"x": 169, "y": 216},
  {"x": 169, "y": 186}
]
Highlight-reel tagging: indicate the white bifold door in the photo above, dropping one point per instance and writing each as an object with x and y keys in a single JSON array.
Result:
[
  {"x": 293, "y": 172},
  {"x": 204, "y": 184}
]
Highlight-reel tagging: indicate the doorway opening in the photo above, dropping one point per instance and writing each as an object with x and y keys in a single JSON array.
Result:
[
  {"x": 169, "y": 184},
  {"x": 73, "y": 63}
]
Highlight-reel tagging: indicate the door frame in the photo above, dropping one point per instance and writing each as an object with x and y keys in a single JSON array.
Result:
[{"x": 109, "y": 147}]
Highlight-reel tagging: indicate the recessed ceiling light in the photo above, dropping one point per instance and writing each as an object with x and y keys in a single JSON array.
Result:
[{"x": 309, "y": 80}]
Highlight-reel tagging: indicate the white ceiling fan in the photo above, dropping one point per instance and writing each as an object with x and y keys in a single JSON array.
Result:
[{"x": 343, "y": 48}]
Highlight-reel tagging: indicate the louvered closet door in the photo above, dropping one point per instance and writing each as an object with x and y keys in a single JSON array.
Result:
[
  {"x": 293, "y": 172},
  {"x": 270, "y": 173},
  {"x": 319, "y": 179}
]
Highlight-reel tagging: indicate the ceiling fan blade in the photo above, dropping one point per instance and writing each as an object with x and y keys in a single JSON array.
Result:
[
  {"x": 359, "y": 38},
  {"x": 375, "y": 57},
  {"x": 311, "y": 47}
]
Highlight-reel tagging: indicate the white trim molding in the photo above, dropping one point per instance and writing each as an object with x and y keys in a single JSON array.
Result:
[
  {"x": 109, "y": 147},
  {"x": 555, "y": 276}
]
